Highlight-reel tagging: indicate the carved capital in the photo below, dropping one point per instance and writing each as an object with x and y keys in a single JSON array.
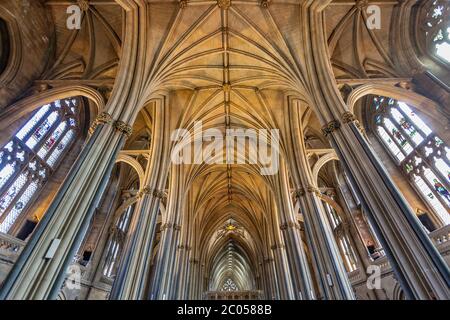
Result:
[
  {"x": 331, "y": 127},
  {"x": 102, "y": 118},
  {"x": 300, "y": 192},
  {"x": 166, "y": 226},
  {"x": 312, "y": 189},
  {"x": 348, "y": 117},
  {"x": 123, "y": 128},
  {"x": 159, "y": 194}
]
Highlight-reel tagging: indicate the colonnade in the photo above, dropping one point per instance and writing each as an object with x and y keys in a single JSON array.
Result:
[{"x": 290, "y": 264}]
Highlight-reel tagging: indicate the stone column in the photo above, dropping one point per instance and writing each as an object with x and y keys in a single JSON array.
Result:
[
  {"x": 163, "y": 283},
  {"x": 298, "y": 263},
  {"x": 331, "y": 274},
  {"x": 38, "y": 274},
  {"x": 134, "y": 272},
  {"x": 418, "y": 266}
]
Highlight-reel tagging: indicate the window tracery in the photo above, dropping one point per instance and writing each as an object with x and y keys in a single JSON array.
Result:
[
  {"x": 421, "y": 154},
  {"x": 437, "y": 29},
  {"x": 116, "y": 242},
  {"x": 33, "y": 154},
  {"x": 342, "y": 239},
  {"x": 229, "y": 285}
]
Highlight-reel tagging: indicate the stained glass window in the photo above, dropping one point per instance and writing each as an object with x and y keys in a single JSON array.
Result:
[
  {"x": 437, "y": 28},
  {"x": 32, "y": 155},
  {"x": 341, "y": 236},
  {"x": 422, "y": 155},
  {"x": 116, "y": 242},
  {"x": 229, "y": 285}
]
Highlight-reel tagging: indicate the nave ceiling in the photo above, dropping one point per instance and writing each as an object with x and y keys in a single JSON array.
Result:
[{"x": 230, "y": 64}]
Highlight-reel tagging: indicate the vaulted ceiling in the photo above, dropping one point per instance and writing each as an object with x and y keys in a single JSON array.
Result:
[{"x": 228, "y": 64}]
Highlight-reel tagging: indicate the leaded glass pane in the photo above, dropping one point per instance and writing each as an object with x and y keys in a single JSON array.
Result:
[
  {"x": 434, "y": 202},
  {"x": 413, "y": 116},
  {"x": 19, "y": 207},
  {"x": 20, "y": 163},
  {"x": 12, "y": 192},
  {"x": 68, "y": 138},
  {"x": 391, "y": 145},
  {"x": 48, "y": 145},
  {"x": 42, "y": 130},
  {"x": 32, "y": 122},
  {"x": 6, "y": 173}
]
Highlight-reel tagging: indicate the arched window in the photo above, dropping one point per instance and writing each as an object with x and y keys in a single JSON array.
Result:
[
  {"x": 116, "y": 242},
  {"x": 341, "y": 237},
  {"x": 33, "y": 154},
  {"x": 437, "y": 29},
  {"x": 229, "y": 285},
  {"x": 4, "y": 45},
  {"x": 422, "y": 155}
]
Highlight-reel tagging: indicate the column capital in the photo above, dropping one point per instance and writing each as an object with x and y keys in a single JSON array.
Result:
[
  {"x": 330, "y": 127},
  {"x": 290, "y": 225},
  {"x": 312, "y": 189},
  {"x": 166, "y": 226},
  {"x": 348, "y": 117},
  {"x": 147, "y": 190},
  {"x": 300, "y": 192},
  {"x": 102, "y": 118},
  {"x": 123, "y": 128},
  {"x": 276, "y": 246}
]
